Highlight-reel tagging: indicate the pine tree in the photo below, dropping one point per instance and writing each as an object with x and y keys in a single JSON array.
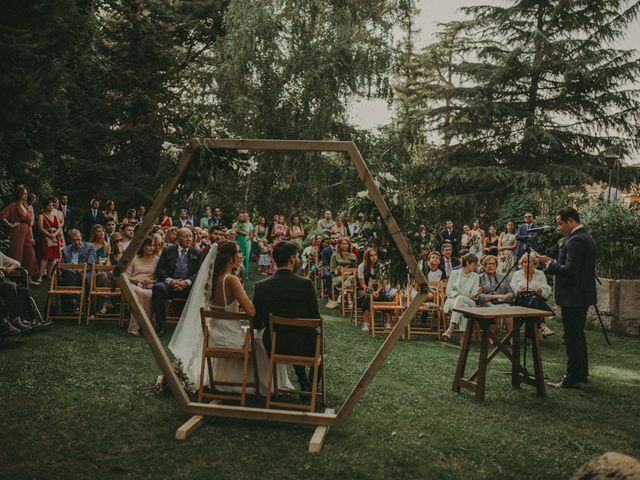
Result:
[{"x": 542, "y": 95}]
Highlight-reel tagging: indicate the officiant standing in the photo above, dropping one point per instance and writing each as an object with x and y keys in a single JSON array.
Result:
[
  {"x": 176, "y": 271},
  {"x": 575, "y": 291}
]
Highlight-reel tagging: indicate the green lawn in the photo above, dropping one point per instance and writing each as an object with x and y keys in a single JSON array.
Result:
[{"x": 78, "y": 402}]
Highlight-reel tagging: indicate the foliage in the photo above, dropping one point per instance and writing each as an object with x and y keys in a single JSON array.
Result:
[
  {"x": 527, "y": 97},
  {"x": 615, "y": 229}
]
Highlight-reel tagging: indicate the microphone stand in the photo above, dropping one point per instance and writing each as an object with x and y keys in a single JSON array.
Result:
[{"x": 604, "y": 330}]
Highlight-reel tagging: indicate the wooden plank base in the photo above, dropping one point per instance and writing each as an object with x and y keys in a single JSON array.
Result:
[
  {"x": 191, "y": 425},
  {"x": 319, "y": 435}
]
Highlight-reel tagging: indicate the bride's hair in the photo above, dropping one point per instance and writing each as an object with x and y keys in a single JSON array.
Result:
[{"x": 226, "y": 251}]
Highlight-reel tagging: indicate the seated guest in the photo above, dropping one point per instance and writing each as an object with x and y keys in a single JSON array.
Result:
[
  {"x": 311, "y": 254},
  {"x": 448, "y": 262},
  {"x": 109, "y": 229},
  {"x": 327, "y": 253},
  {"x": 15, "y": 297},
  {"x": 77, "y": 252},
  {"x": 326, "y": 224},
  {"x": 117, "y": 249},
  {"x": 432, "y": 269},
  {"x": 463, "y": 288},
  {"x": 370, "y": 278},
  {"x": 128, "y": 232},
  {"x": 493, "y": 295},
  {"x": 176, "y": 271},
  {"x": 99, "y": 243},
  {"x": 342, "y": 258},
  {"x": 340, "y": 228},
  {"x": 496, "y": 290},
  {"x": 424, "y": 258},
  {"x": 286, "y": 294},
  {"x": 158, "y": 244},
  {"x": 142, "y": 274},
  {"x": 531, "y": 287},
  {"x": 172, "y": 236}
]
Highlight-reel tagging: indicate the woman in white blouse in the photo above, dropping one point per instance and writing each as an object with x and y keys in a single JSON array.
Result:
[
  {"x": 463, "y": 288},
  {"x": 530, "y": 280}
]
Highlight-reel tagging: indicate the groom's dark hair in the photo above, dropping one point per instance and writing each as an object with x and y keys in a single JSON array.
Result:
[{"x": 283, "y": 251}]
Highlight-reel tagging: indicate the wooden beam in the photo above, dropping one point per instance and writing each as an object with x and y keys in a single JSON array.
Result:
[
  {"x": 380, "y": 357},
  {"x": 385, "y": 214},
  {"x": 152, "y": 339},
  {"x": 189, "y": 427},
  {"x": 319, "y": 435},
  {"x": 283, "y": 145},
  {"x": 269, "y": 415}
]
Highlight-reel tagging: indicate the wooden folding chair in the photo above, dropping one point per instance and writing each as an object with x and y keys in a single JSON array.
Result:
[
  {"x": 173, "y": 308},
  {"x": 344, "y": 306},
  {"x": 435, "y": 310},
  {"x": 394, "y": 307},
  {"x": 97, "y": 292},
  {"x": 244, "y": 354},
  {"x": 57, "y": 290},
  {"x": 312, "y": 362}
]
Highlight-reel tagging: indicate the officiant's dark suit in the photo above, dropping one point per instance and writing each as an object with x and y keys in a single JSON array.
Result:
[
  {"x": 287, "y": 294},
  {"x": 575, "y": 292},
  {"x": 177, "y": 262}
]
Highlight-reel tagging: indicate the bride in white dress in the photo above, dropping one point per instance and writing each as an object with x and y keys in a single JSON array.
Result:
[{"x": 214, "y": 286}]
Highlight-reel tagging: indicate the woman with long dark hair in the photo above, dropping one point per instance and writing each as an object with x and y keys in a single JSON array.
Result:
[
  {"x": 142, "y": 274},
  {"x": 18, "y": 218}
]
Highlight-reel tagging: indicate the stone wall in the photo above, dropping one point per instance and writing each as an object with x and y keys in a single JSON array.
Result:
[{"x": 619, "y": 305}]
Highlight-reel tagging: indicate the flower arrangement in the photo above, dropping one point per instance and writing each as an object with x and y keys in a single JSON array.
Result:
[{"x": 161, "y": 385}]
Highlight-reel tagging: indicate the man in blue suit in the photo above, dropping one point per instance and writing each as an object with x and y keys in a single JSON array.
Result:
[
  {"x": 77, "y": 252},
  {"x": 524, "y": 237}
]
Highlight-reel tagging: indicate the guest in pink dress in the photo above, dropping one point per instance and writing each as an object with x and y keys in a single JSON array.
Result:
[
  {"x": 142, "y": 274},
  {"x": 17, "y": 217}
]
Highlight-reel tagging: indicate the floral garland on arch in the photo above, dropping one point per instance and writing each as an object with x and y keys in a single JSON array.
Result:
[{"x": 162, "y": 385}]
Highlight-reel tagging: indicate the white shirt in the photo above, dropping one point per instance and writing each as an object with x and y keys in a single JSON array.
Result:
[{"x": 518, "y": 281}]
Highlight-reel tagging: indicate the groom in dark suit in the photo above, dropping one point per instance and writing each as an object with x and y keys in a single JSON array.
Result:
[
  {"x": 288, "y": 295},
  {"x": 575, "y": 291},
  {"x": 176, "y": 272}
]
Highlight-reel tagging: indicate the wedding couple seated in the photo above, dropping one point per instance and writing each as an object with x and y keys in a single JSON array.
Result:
[{"x": 284, "y": 294}]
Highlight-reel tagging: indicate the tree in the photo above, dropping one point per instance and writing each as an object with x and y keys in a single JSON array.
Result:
[{"x": 542, "y": 96}]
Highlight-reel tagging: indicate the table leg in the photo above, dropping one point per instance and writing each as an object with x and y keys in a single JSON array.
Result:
[
  {"x": 464, "y": 353},
  {"x": 537, "y": 358},
  {"x": 515, "y": 361},
  {"x": 482, "y": 364}
]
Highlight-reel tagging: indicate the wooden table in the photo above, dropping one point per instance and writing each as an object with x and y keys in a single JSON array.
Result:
[{"x": 486, "y": 316}]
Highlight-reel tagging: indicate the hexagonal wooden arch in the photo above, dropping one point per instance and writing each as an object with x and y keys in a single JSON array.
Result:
[{"x": 122, "y": 280}]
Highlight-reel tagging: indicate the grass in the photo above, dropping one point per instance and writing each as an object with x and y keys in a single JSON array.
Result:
[{"x": 77, "y": 402}]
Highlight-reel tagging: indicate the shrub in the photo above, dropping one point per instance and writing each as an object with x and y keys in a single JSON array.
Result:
[{"x": 616, "y": 230}]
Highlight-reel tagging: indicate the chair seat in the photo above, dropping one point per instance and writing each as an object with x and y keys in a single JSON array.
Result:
[{"x": 298, "y": 360}]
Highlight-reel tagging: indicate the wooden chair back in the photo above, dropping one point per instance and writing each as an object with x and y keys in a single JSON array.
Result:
[
  {"x": 244, "y": 354},
  {"x": 57, "y": 290},
  {"x": 349, "y": 273},
  {"x": 97, "y": 292},
  {"x": 314, "y": 362},
  {"x": 393, "y": 307},
  {"x": 434, "y": 308}
]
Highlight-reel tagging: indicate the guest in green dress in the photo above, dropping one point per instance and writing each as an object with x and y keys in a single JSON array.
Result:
[{"x": 243, "y": 230}]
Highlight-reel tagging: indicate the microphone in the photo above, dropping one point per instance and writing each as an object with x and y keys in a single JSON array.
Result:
[{"x": 545, "y": 228}]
